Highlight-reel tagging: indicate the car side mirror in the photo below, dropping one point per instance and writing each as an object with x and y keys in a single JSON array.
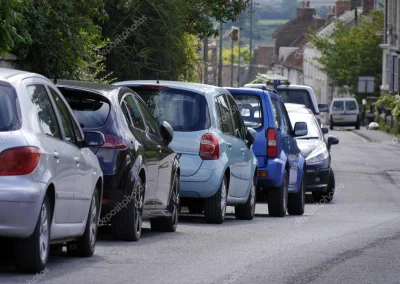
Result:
[
  {"x": 332, "y": 140},
  {"x": 167, "y": 133},
  {"x": 325, "y": 130},
  {"x": 300, "y": 129},
  {"x": 94, "y": 139},
  {"x": 251, "y": 136},
  {"x": 323, "y": 108}
]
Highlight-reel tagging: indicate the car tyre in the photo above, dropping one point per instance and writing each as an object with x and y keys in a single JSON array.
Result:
[
  {"x": 327, "y": 196},
  {"x": 215, "y": 206},
  {"x": 277, "y": 198},
  {"x": 169, "y": 224},
  {"x": 32, "y": 253},
  {"x": 331, "y": 124},
  {"x": 127, "y": 224},
  {"x": 84, "y": 245},
  {"x": 357, "y": 126},
  {"x": 296, "y": 201},
  {"x": 246, "y": 211}
]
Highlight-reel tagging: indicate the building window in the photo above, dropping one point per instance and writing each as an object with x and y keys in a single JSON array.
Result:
[{"x": 387, "y": 71}]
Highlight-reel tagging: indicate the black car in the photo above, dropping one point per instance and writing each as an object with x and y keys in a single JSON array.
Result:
[
  {"x": 320, "y": 178},
  {"x": 141, "y": 172}
]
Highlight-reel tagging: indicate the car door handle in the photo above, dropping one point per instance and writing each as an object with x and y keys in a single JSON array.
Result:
[
  {"x": 228, "y": 144},
  {"x": 243, "y": 150},
  {"x": 56, "y": 155},
  {"x": 76, "y": 159}
]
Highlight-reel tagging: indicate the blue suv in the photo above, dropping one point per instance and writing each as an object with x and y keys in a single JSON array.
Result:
[{"x": 281, "y": 165}]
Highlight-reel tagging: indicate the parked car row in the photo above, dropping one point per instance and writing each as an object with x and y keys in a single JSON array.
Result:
[{"x": 77, "y": 155}]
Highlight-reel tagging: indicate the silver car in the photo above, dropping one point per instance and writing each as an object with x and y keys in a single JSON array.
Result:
[{"x": 50, "y": 181}]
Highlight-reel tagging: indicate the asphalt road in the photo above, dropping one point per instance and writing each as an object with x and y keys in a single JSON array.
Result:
[{"x": 354, "y": 239}]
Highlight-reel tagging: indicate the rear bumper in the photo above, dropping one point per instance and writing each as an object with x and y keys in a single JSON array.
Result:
[
  {"x": 205, "y": 182},
  {"x": 274, "y": 169},
  {"x": 317, "y": 179},
  {"x": 19, "y": 207}
]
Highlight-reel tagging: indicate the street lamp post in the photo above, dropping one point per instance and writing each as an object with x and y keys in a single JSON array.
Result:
[
  {"x": 234, "y": 38},
  {"x": 251, "y": 41},
  {"x": 220, "y": 56}
]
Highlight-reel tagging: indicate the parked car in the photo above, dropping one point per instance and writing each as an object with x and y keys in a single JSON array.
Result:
[
  {"x": 320, "y": 178},
  {"x": 298, "y": 94},
  {"x": 51, "y": 184},
  {"x": 344, "y": 112},
  {"x": 281, "y": 165},
  {"x": 214, "y": 146},
  {"x": 141, "y": 171}
]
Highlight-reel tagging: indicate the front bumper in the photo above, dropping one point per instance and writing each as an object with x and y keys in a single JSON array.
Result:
[
  {"x": 20, "y": 203},
  {"x": 317, "y": 178},
  {"x": 205, "y": 182}
]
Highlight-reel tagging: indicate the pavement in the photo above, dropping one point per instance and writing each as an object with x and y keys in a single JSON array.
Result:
[
  {"x": 377, "y": 136},
  {"x": 353, "y": 239}
]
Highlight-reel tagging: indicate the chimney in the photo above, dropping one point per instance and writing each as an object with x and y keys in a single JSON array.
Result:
[
  {"x": 342, "y": 6},
  {"x": 306, "y": 12},
  {"x": 308, "y": 4},
  {"x": 331, "y": 13},
  {"x": 368, "y": 6},
  {"x": 303, "y": 4}
]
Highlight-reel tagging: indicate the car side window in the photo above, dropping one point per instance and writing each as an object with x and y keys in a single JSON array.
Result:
[
  {"x": 239, "y": 125},
  {"x": 46, "y": 114},
  {"x": 288, "y": 125},
  {"x": 134, "y": 112},
  {"x": 224, "y": 120},
  {"x": 278, "y": 120},
  {"x": 66, "y": 119},
  {"x": 151, "y": 122}
]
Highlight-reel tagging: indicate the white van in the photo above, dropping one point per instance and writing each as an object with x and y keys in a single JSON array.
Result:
[{"x": 344, "y": 112}]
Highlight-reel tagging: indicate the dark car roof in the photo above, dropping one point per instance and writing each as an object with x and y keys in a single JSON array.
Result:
[{"x": 103, "y": 89}]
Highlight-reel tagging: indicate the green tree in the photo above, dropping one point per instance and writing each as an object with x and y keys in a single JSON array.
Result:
[{"x": 352, "y": 52}]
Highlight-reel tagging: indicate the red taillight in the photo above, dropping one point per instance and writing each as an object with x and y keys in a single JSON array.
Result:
[
  {"x": 19, "y": 161},
  {"x": 209, "y": 147},
  {"x": 113, "y": 142},
  {"x": 272, "y": 147}
]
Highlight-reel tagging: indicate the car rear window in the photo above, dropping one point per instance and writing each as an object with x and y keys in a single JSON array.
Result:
[
  {"x": 337, "y": 106},
  {"x": 9, "y": 110},
  {"x": 297, "y": 97},
  {"x": 184, "y": 110},
  {"x": 250, "y": 109},
  {"x": 351, "y": 105},
  {"x": 91, "y": 110}
]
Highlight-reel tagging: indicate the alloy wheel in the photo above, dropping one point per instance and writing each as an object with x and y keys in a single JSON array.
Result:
[
  {"x": 44, "y": 233},
  {"x": 223, "y": 199},
  {"x": 93, "y": 221},
  {"x": 138, "y": 208}
]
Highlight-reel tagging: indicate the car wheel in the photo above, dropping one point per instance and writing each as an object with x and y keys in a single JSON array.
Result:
[
  {"x": 331, "y": 124},
  {"x": 196, "y": 209},
  {"x": 215, "y": 206},
  {"x": 327, "y": 196},
  {"x": 296, "y": 201},
  {"x": 127, "y": 224},
  {"x": 32, "y": 253},
  {"x": 247, "y": 210},
  {"x": 169, "y": 224},
  {"x": 84, "y": 245},
  {"x": 278, "y": 198}
]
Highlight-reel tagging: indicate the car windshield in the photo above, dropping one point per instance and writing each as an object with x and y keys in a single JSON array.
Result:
[
  {"x": 297, "y": 97},
  {"x": 90, "y": 110},
  {"x": 250, "y": 109},
  {"x": 9, "y": 110},
  {"x": 351, "y": 105},
  {"x": 184, "y": 110},
  {"x": 312, "y": 125},
  {"x": 337, "y": 106}
]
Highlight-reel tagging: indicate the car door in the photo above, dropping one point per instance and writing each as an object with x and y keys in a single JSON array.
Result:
[
  {"x": 84, "y": 173},
  {"x": 52, "y": 143},
  {"x": 137, "y": 127},
  {"x": 351, "y": 111},
  {"x": 338, "y": 111},
  {"x": 228, "y": 142},
  {"x": 74, "y": 161},
  {"x": 290, "y": 146},
  {"x": 245, "y": 151},
  {"x": 165, "y": 155}
]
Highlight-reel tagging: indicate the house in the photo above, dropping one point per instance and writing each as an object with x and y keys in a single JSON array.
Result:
[{"x": 391, "y": 48}]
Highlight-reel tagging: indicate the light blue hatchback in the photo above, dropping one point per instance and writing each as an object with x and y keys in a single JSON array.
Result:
[{"x": 218, "y": 167}]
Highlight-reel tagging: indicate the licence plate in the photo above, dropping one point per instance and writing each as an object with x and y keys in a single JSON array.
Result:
[{"x": 339, "y": 118}]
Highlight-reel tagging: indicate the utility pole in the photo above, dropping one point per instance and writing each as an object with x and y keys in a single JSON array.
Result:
[
  {"x": 251, "y": 42},
  {"x": 232, "y": 57},
  {"x": 205, "y": 43},
  {"x": 240, "y": 27},
  {"x": 220, "y": 56},
  {"x": 234, "y": 38}
]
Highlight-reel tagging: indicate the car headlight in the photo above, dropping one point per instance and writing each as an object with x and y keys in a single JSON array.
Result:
[{"x": 318, "y": 156}]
